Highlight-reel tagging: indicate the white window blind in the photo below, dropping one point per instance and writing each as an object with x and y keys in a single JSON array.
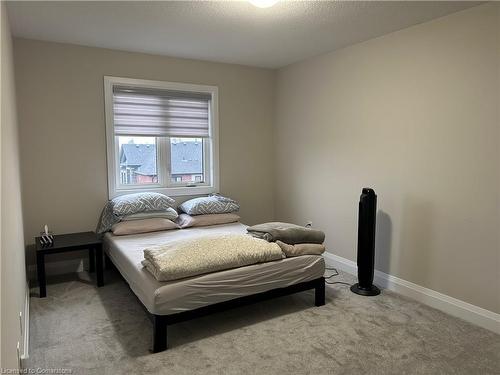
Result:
[{"x": 160, "y": 113}]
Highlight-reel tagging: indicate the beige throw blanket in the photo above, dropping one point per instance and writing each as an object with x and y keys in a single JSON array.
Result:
[
  {"x": 288, "y": 233},
  {"x": 212, "y": 253},
  {"x": 301, "y": 249}
]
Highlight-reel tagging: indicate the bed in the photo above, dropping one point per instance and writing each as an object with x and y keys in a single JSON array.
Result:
[{"x": 179, "y": 300}]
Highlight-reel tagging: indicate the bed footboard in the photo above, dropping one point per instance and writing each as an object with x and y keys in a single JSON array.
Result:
[{"x": 161, "y": 322}]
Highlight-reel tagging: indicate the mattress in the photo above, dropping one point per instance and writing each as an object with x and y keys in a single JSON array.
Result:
[{"x": 165, "y": 298}]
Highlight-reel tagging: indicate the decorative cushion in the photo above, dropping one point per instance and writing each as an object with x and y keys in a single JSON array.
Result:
[
  {"x": 140, "y": 202},
  {"x": 169, "y": 214},
  {"x": 214, "y": 204},
  {"x": 142, "y": 226},
  {"x": 186, "y": 221}
]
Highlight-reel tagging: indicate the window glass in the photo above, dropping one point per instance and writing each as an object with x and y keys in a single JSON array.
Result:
[
  {"x": 186, "y": 160},
  {"x": 138, "y": 160}
]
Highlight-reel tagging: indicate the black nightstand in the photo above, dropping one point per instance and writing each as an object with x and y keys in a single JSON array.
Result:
[{"x": 70, "y": 242}]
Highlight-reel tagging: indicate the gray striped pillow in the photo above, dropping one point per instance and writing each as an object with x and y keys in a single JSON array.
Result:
[
  {"x": 140, "y": 202},
  {"x": 214, "y": 204}
]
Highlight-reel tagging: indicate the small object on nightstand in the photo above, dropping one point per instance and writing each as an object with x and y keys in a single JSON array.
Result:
[{"x": 46, "y": 237}]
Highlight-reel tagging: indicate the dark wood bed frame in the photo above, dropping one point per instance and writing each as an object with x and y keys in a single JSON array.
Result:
[{"x": 161, "y": 322}]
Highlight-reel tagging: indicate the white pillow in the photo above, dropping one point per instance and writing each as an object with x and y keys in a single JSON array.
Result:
[
  {"x": 187, "y": 221},
  {"x": 169, "y": 214},
  {"x": 143, "y": 226}
]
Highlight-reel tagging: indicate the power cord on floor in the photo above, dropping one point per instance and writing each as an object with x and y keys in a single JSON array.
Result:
[{"x": 336, "y": 273}]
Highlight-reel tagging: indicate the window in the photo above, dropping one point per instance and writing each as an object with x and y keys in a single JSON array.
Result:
[{"x": 161, "y": 136}]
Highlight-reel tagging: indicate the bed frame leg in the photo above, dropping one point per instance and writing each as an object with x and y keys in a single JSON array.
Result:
[
  {"x": 319, "y": 292},
  {"x": 159, "y": 333}
]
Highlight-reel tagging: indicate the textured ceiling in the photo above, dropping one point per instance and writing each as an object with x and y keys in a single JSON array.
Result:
[{"x": 225, "y": 31}]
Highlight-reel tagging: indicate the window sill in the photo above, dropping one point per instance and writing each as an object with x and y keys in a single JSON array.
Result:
[{"x": 171, "y": 192}]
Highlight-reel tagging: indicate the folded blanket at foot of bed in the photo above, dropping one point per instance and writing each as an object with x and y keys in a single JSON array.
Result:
[
  {"x": 191, "y": 257},
  {"x": 288, "y": 233},
  {"x": 301, "y": 249}
]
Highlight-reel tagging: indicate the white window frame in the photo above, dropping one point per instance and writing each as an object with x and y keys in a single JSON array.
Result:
[{"x": 210, "y": 145}]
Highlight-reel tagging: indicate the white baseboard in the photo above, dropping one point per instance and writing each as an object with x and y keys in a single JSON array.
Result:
[
  {"x": 26, "y": 331},
  {"x": 466, "y": 311}
]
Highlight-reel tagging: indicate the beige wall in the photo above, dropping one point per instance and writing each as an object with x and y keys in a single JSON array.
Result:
[
  {"x": 60, "y": 88},
  {"x": 413, "y": 114},
  {"x": 13, "y": 274}
]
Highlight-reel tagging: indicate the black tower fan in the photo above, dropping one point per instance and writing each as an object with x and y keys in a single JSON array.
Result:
[{"x": 366, "y": 244}]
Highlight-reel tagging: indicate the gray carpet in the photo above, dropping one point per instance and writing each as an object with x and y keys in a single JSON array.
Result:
[{"x": 106, "y": 331}]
